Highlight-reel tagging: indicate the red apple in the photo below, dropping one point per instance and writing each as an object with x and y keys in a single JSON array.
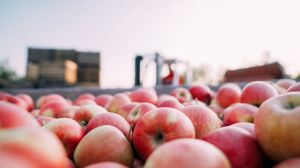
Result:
[
  {"x": 11, "y": 161},
  {"x": 290, "y": 163},
  {"x": 144, "y": 95},
  {"x": 285, "y": 83},
  {"x": 194, "y": 102},
  {"x": 69, "y": 112},
  {"x": 118, "y": 101},
  {"x": 228, "y": 94},
  {"x": 48, "y": 98},
  {"x": 159, "y": 126},
  {"x": 28, "y": 100},
  {"x": 68, "y": 131},
  {"x": 85, "y": 113},
  {"x": 109, "y": 119},
  {"x": 239, "y": 146},
  {"x": 277, "y": 126},
  {"x": 294, "y": 88},
  {"x": 14, "y": 100},
  {"x": 202, "y": 93},
  {"x": 182, "y": 94},
  {"x": 13, "y": 116},
  {"x": 171, "y": 103},
  {"x": 83, "y": 102},
  {"x": 34, "y": 145},
  {"x": 127, "y": 108},
  {"x": 138, "y": 112},
  {"x": 246, "y": 126},
  {"x": 103, "y": 99},
  {"x": 85, "y": 96},
  {"x": 203, "y": 119},
  {"x": 106, "y": 165},
  {"x": 239, "y": 112},
  {"x": 216, "y": 108},
  {"x": 257, "y": 92},
  {"x": 53, "y": 108},
  {"x": 187, "y": 153},
  {"x": 105, "y": 143},
  {"x": 43, "y": 120}
]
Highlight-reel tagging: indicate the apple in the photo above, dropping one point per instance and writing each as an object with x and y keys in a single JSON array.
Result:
[
  {"x": 240, "y": 147},
  {"x": 43, "y": 120},
  {"x": 239, "y": 112},
  {"x": 246, "y": 126},
  {"x": 216, "y": 108},
  {"x": 118, "y": 101},
  {"x": 181, "y": 94},
  {"x": 194, "y": 102},
  {"x": 277, "y": 124},
  {"x": 53, "y": 108},
  {"x": 106, "y": 165},
  {"x": 14, "y": 116},
  {"x": 85, "y": 96},
  {"x": 285, "y": 83},
  {"x": 68, "y": 112},
  {"x": 257, "y": 92},
  {"x": 187, "y": 153},
  {"x": 228, "y": 94},
  {"x": 112, "y": 119},
  {"x": 48, "y": 98},
  {"x": 138, "y": 112},
  {"x": 159, "y": 126},
  {"x": 11, "y": 161},
  {"x": 202, "y": 93},
  {"x": 28, "y": 100},
  {"x": 83, "y": 102},
  {"x": 127, "y": 108},
  {"x": 294, "y": 88},
  {"x": 290, "y": 163},
  {"x": 171, "y": 103},
  {"x": 144, "y": 95},
  {"x": 103, "y": 99},
  {"x": 85, "y": 113},
  {"x": 14, "y": 100},
  {"x": 68, "y": 131},
  {"x": 104, "y": 143},
  {"x": 203, "y": 119},
  {"x": 33, "y": 145}
]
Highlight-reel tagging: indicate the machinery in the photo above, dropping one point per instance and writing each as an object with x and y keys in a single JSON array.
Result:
[{"x": 178, "y": 71}]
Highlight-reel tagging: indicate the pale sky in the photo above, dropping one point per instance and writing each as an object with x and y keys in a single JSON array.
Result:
[{"x": 218, "y": 33}]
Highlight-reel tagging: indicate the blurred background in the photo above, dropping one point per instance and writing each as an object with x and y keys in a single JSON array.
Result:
[{"x": 121, "y": 44}]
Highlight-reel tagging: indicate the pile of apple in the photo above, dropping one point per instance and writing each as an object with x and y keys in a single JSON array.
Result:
[{"x": 251, "y": 127}]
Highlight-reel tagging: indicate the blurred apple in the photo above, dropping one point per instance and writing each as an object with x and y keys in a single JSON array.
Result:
[
  {"x": 202, "y": 93},
  {"x": 103, "y": 99},
  {"x": 228, "y": 94},
  {"x": 118, "y": 101},
  {"x": 181, "y": 94},
  {"x": 144, "y": 95}
]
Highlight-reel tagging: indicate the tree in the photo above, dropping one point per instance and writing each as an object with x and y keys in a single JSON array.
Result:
[{"x": 6, "y": 74}]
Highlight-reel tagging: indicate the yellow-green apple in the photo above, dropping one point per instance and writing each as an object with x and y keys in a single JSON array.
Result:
[
  {"x": 84, "y": 96},
  {"x": 106, "y": 165},
  {"x": 285, "y": 83},
  {"x": 290, "y": 163},
  {"x": 112, "y": 119},
  {"x": 228, "y": 94},
  {"x": 294, "y": 88},
  {"x": 203, "y": 119},
  {"x": 181, "y": 94},
  {"x": 14, "y": 116},
  {"x": 144, "y": 95},
  {"x": 103, "y": 99},
  {"x": 53, "y": 108},
  {"x": 105, "y": 143},
  {"x": 68, "y": 112},
  {"x": 118, "y": 101},
  {"x": 127, "y": 108},
  {"x": 277, "y": 124},
  {"x": 159, "y": 126},
  {"x": 48, "y": 98},
  {"x": 68, "y": 131},
  {"x": 240, "y": 147},
  {"x": 28, "y": 100},
  {"x": 85, "y": 113},
  {"x": 257, "y": 92},
  {"x": 43, "y": 120},
  {"x": 35, "y": 145},
  {"x": 202, "y": 93},
  {"x": 171, "y": 103},
  {"x": 239, "y": 112},
  {"x": 187, "y": 153},
  {"x": 247, "y": 126},
  {"x": 139, "y": 111}
]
